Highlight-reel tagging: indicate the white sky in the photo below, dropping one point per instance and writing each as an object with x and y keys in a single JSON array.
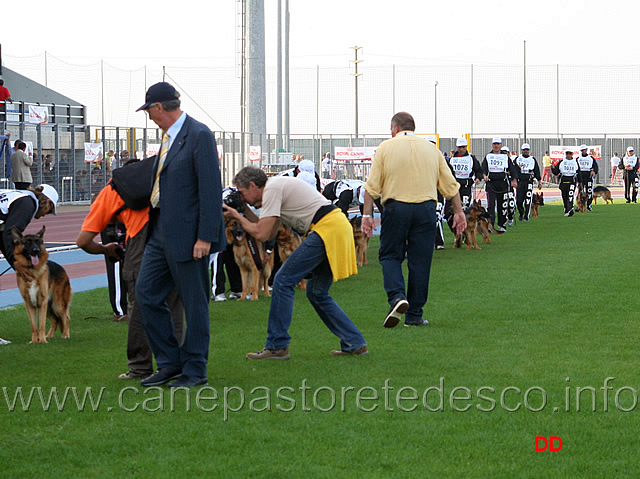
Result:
[{"x": 133, "y": 34}]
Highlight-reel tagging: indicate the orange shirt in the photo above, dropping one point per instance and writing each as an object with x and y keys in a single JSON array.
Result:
[{"x": 105, "y": 206}]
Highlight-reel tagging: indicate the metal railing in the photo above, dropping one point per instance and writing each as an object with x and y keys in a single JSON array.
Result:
[{"x": 60, "y": 154}]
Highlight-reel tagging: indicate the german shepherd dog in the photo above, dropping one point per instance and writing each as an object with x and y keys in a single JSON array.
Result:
[
  {"x": 483, "y": 223},
  {"x": 288, "y": 241},
  {"x": 361, "y": 240},
  {"x": 581, "y": 201},
  {"x": 48, "y": 292},
  {"x": 477, "y": 222},
  {"x": 536, "y": 203},
  {"x": 252, "y": 277},
  {"x": 474, "y": 213},
  {"x": 602, "y": 192}
]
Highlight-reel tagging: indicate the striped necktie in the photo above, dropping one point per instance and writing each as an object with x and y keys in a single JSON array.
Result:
[{"x": 155, "y": 192}]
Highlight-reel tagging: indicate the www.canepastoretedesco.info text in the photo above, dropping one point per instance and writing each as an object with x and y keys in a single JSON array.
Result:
[{"x": 307, "y": 398}]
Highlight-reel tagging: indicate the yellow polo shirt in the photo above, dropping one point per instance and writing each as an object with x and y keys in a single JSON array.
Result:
[{"x": 410, "y": 169}]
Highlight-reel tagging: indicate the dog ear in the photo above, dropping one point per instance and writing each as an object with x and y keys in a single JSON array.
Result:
[
  {"x": 41, "y": 232},
  {"x": 16, "y": 234}
]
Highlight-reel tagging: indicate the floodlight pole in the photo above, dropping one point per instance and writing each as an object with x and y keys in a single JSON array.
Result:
[
  {"x": 356, "y": 75},
  {"x": 525, "y": 90},
  {"x": 435, "y": 108}
]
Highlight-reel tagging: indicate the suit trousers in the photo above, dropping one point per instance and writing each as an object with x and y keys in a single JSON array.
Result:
[{"x": 160, "y": 273}]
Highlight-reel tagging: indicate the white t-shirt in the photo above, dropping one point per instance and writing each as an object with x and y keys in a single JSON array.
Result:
[
  {"x": 292, "y": 200},
  {"x": 615, "y": 161}
]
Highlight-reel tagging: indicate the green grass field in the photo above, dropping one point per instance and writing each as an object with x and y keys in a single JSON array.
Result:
[{"x": 516, "y": 329}]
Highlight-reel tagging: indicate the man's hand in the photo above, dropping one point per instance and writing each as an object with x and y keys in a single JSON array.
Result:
[
  {"x": 113, "y": 250},
  {"x": 230, "y": 213},
  {"x": 201, "y": 249},
  {"x": 514, "y": 183},
  {"x": 459, "y": 222},
  {"x": 367, "y": 226}
]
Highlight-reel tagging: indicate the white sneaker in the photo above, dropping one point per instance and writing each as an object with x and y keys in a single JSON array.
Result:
[
  {"x": 500, "y": 229},
  {"x": 220, "y": 297},
  {"x": 233, "y": 295},
  {"x": 4, "y": 342}
]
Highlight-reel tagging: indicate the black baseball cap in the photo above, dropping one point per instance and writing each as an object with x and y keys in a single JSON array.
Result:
[{"x": 158, "y": 93}]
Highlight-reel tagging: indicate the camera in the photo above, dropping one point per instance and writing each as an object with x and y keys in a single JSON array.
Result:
[{"x": 235, "y": 201}]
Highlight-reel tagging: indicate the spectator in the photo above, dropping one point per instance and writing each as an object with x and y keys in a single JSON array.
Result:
[
  {"x": 20, "y": 167},
  {"x": 615, "y": 162},
  {"x": 326, "y": 165},
  {"x": 546, "y": 168}
]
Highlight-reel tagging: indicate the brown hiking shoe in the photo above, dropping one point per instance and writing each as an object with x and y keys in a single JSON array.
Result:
[
  {"x": 363, "y": 351},
  {"x": 270, "y": 354}
]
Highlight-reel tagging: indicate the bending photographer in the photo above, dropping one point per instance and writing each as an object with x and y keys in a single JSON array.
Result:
[{"x": 328, "y": 252}]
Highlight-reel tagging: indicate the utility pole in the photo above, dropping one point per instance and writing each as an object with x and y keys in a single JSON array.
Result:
[{"x": 356, "y": 75}]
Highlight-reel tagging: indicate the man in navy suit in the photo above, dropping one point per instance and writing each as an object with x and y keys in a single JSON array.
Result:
[{"x": 186, "y": 223}]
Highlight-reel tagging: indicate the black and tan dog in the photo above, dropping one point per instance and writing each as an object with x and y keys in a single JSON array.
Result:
[
  {"x": 581, "y": 201},
  {"x": 288, "y": 241},
  {"x": 361, "y": 240},
  {"x": 536, "y": 203},
  {"x": 47, "y": 291},
  {"x": 484, "y": 220},
  {"x": 602, "y": 192},
  {"x": 247, "y": 252},
  {"x": 475, "y": 214}
]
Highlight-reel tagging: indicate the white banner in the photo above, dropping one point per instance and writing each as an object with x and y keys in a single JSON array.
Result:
[
  {"x": 38, "y": 114},
  {"x": 255, "y": 153},
  {"x": 557, "y": 152},
  {"x": 153, "y": 149},
  {"x": 356, "y": 153},
  {"x": 93, "y": 152}
]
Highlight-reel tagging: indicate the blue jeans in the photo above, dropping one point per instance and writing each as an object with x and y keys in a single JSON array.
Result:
[
  {"x": 310, "y": 256},
  {"x": 407, "y": 229}
]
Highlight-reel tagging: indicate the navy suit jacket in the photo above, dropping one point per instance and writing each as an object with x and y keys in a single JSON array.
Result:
[{"x": 191, "y": 192}]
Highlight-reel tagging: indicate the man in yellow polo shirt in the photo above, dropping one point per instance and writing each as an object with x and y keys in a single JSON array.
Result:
[{"x": 406, "y": 174}]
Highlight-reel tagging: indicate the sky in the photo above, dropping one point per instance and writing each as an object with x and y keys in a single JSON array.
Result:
[
  {"x": 417, "y": 34},
  {"x": 131, "y": 34}
]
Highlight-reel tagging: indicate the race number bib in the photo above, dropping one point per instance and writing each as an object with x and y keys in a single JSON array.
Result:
[
  {"x": 585, "y": 163},
  {"x": 462, "y": 166},
  {"x": 568, "y": 168},
  {"x": 497, "y": 163},
  {"x": 630, "y": 161},
  {"x": 526, "y": 164}
]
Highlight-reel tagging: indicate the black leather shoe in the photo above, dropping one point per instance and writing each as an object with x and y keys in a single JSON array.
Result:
[
  {"x": 162, "y": 376},
  {"x": 188, "y": 382}
]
